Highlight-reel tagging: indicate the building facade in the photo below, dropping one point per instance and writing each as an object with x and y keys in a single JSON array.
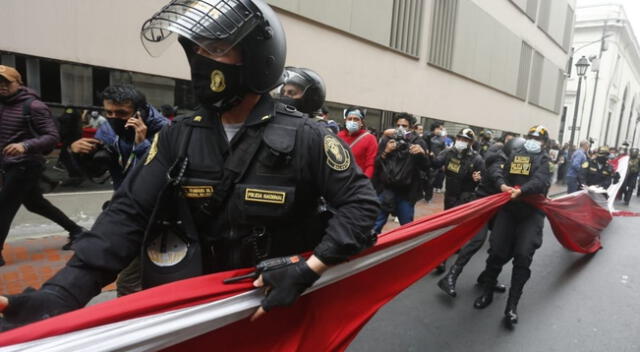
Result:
[
  {"x": 489, "y": 64},
  {"x": 609, "y": 107}
]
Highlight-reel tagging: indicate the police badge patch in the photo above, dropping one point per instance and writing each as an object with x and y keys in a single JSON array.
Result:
[
  {"x": 218, "y": 83},
  {"x": 338, "y": 158},
  {"x": 153, "y": 150}
]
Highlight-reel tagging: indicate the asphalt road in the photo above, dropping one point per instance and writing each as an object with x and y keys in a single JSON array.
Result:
[{"x": 572, "y": 302}]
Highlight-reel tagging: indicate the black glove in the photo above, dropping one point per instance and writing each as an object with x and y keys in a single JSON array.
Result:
[
  {"x": 287, "y": 284},
  {"x": 33, "y": 305}
]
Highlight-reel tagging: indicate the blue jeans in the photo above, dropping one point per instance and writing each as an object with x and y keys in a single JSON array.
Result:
[
  {"x": 403, "y": 210},
  {"x": 572, "y": 184}
]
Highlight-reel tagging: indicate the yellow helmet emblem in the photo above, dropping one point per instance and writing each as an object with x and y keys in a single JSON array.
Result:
[{"x": 217, "y": 81}]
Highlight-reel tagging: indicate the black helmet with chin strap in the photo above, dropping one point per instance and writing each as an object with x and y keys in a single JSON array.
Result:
[
  {"x": 311, "y": 85},
  {"x": 219, "y": 25}
]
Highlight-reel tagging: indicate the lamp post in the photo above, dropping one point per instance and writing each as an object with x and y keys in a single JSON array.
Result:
[{"x": 581, "y": 69}]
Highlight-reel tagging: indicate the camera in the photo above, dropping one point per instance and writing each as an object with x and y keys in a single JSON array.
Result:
[{"x": 400, "y": 139}]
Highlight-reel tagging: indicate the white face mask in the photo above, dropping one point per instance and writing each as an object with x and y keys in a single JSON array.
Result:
[
  {"x": 443, "y": 133},
  {"x": 461, "y": 146},
  {"x": 533, "y": 146},
  {"x": 352, "y": 126}
]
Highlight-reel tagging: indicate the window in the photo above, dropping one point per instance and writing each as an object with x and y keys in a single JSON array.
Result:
[{"x": 405, "y": 26}]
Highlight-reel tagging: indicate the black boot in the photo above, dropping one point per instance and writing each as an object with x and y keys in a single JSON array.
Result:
[
  {"x": 500, "y": 288},
  {"x": 448, "y": 283},
  {"x": 485, "y": 300},
  {"x": 442, "y": 267},
  {"x": 511, "y": 313}
]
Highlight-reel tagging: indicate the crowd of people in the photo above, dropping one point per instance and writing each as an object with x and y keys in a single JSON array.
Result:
[{"x": 261, "y": 171}]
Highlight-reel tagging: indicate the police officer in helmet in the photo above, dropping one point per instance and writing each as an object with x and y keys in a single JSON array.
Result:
[
  {"x": 494, "y": 160},
  {"x": 633, "y": 169},
  {"x": 597, "y": 171},
  {"x": 463, "y": 171},
  {"x": 303, "y": 89},
  {"x": 244, "y": 176},
  {"x": 517, "y": 231}
]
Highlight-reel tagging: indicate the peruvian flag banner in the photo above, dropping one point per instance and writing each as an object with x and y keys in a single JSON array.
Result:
[{"x": 204, "y": 314}]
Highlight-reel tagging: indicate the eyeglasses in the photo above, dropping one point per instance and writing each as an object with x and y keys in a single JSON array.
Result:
[{"x": 120, "y": 113}]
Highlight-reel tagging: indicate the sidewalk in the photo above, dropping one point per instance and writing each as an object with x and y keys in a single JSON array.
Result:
[{"x": 30, "y": 262}]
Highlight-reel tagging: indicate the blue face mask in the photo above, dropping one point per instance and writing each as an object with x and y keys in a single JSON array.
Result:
[
  {"x": 533, "y": 146},
  {"x": 352, "y": 126}
]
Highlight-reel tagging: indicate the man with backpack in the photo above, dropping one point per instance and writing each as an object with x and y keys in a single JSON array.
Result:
[
  {"x": 402, "y": 155},
  {"x": 27, "y": 133}
]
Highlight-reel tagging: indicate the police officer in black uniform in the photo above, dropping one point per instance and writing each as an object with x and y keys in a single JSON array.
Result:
[
  {"x": 517, "y": 231},
  {"x": 495, "y": 158},
  {"x": 633, "y": 169},
  {"x": 463, "y": 171},
  {"x": 598, "y": 171},
  {"x": 485, "y": 142},
  {"x": 303, "y": 89},
  {"x": 227, "y": 188}
]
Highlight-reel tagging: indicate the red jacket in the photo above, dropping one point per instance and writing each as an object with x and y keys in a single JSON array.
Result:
[{"x": 364, "y": 151}]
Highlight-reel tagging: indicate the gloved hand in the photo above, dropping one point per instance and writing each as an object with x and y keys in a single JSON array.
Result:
[
  {"x": 33, "y": 305},
  {"x": 287, "y": 284}
]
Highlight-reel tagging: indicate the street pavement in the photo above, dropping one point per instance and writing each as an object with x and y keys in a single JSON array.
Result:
[{"x": 572, "y": 302}]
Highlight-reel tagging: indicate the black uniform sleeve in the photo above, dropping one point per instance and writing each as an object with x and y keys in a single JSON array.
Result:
[
  {"x": 540, "y": 181},
  {"x": 583, "y": 173},
  {"x": 346, "y": 189},
  {"x": 495, "y": 171},
  {"x": 606, "y": 182},
  {"x": 440, "y": 159},
  {"x": 115, "y": 238},
  {"x": 478, "y": 165}
]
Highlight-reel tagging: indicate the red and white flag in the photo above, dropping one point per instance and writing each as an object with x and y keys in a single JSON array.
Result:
[{"x": 204, "y": 314}]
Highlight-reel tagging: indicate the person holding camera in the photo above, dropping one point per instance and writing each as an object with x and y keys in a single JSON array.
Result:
[
  {"x": 402, "y": 155},
  {"x": 121, "y": 143},
  {"x": 27, "y": 133}
]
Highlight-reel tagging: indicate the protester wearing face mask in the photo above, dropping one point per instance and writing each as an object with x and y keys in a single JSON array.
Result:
[
  {"x": 126, "y": 138},
  {"x": 517, "y": 231},
  {"x": 463, "y": 171},
  {"x": 597, "y": 171},
  {"x": 402, "y": 156},
  {"x": 363, "y": 144}
]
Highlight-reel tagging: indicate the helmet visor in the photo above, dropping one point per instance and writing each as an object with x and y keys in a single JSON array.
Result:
[
  {"x": 294, "y": 85},
  {"x": 214, "y": 25}
]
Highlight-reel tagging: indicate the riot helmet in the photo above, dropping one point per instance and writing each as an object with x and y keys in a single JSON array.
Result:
[
  {"x": 603, "y": 151},
  {"x": 513, "y": 144},
  {"x": 217, "y": 27},
  {"x": 633, "y": 152},
  {"x": 467, "y": 133},
  {"x": 302, "y": 88},
  {"x": 539, "y": 132}
]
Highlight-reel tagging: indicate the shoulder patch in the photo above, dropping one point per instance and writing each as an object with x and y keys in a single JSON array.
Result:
[
  {"x": 585, "y": 165},
  {"x": 153, "y": 150},
  {"x": 338, "y": 158}
]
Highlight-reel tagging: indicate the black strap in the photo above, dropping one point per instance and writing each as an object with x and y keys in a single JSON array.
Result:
[{"x": 177, "y": 170}]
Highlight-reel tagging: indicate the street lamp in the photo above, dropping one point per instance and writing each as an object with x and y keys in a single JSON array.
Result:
[{"x": 581, "y": 69}]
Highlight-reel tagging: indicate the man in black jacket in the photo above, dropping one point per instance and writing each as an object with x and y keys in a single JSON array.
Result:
[
  {"x": 401, "y": 158},
  {"x": 517, "y": 232},
  {"x": 233, "y": 185},
  {"x": 27, "y": 133}
]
